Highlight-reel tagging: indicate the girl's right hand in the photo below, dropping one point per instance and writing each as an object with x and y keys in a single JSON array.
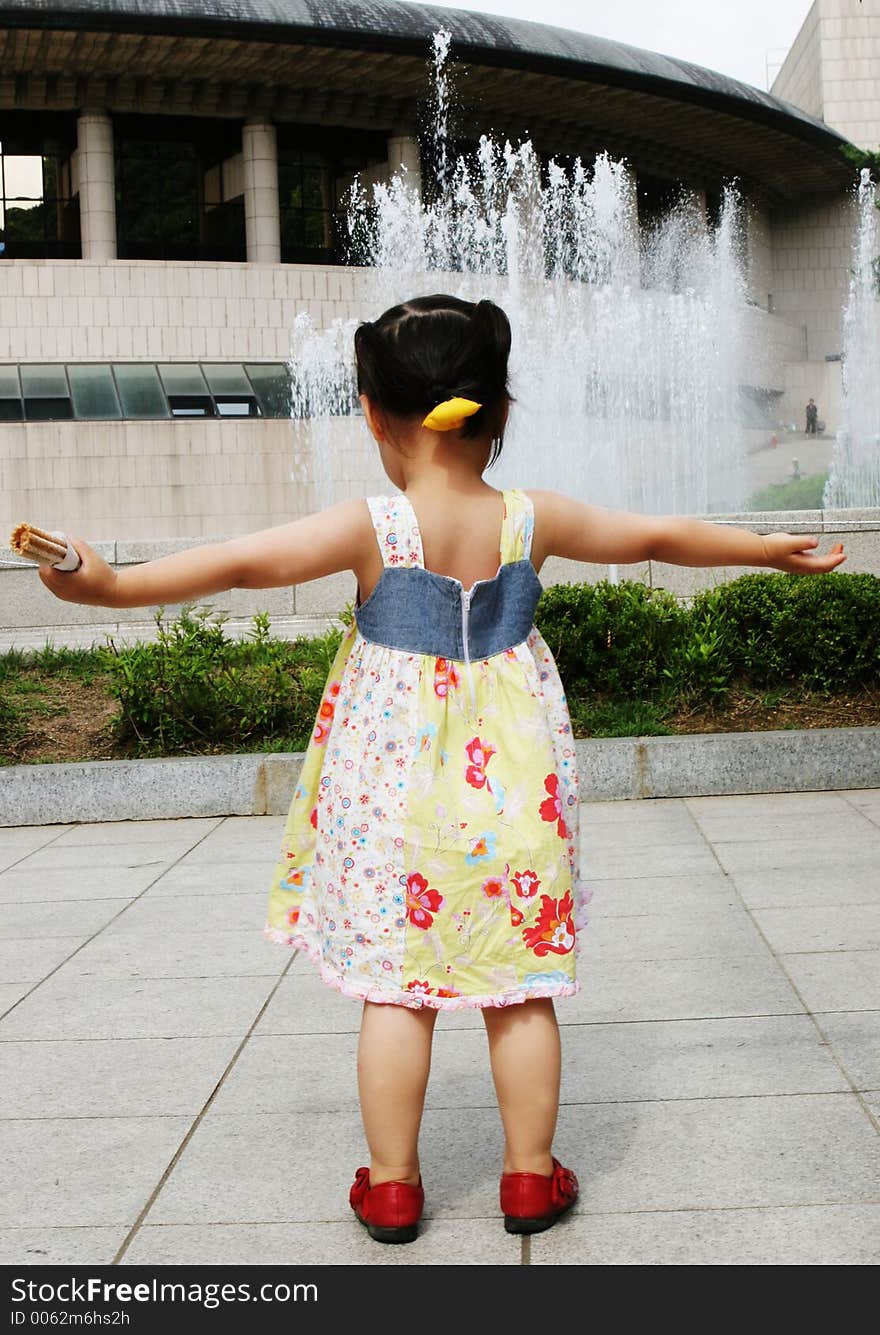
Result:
[{"x": 94, "y": 583}]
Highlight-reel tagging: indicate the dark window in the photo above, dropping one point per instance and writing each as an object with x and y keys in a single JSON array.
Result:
[
  {"x": 45, "y": 392},
  {"x": 316, "y": 168},
  {"x": 138, "y": 391},
  {"x": 179, "y": 189},
  {"x": 93, "y": 391},
  {"x": 10, "y": 395},
  {"x": 272, "y": 386},
  {"x": 39, "y": 214},
  {"x": 186, "y": 389},
  {"x": 233, "y": 393}
]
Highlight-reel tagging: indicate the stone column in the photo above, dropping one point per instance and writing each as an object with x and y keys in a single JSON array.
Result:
[
  {"x": 403, "y": 151},
  {"x": 262, "y": 220},
  {"x": 97, "y": 185}
]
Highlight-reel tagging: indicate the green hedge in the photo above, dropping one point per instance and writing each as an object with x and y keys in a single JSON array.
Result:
[
  {"x": 627, "y": 655},
  {"x": 819, "y": 632}
]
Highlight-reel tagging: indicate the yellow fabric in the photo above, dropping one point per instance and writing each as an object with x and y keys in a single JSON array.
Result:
[{"x": 451, "y": 414}]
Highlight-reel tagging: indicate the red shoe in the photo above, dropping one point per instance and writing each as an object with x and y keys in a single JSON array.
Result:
[
  {"x": 532, "y": 1202},
  {"x": 389, "y": 1212}
]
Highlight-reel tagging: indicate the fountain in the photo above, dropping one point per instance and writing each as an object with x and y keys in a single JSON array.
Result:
[
  {"x": 854, "y": 477},
  {"x": 625, "y": 352}
]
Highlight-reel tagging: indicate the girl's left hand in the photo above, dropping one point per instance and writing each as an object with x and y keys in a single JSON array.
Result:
[{"x": 792, "y": 552}]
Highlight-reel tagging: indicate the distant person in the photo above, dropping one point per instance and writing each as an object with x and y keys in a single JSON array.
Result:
[
  {"x": 812, "y": 417},
  {"x": 430, "y": 859}
]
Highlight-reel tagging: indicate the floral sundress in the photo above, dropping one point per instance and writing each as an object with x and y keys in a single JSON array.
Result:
[{"x": 430, "y": 854}]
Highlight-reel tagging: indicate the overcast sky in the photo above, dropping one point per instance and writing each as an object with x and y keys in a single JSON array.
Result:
[{"x": 735, "y": 37}]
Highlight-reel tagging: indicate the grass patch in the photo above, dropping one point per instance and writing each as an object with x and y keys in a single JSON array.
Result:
[{"x": 803, "y": 493}]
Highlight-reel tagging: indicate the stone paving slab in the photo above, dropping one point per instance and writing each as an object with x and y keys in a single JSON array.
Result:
[
  {"x": 766, "y": 855},
  {"x": 44, "y": 918},
  {"x": 440, "y": 1242},
  {"x": 116, "y": 1077},
  {"x": 49, "y": 1245},
  {"x": 803, "y": 1235},
  {"x": 722, "y": 1060},
  {"x": 137, "y": 1008},
  {"x": 804, "y": 888},
  {"x": 841, "y": 980},
  {"x": 634, "y": 895},
  {"x": 722, "y": 1153},
  {"x": 25, "y": 885},
  {"x": 83, "y": 1171},
  {"x": 838, "y": 927},
  {"x": 708, "y": 934},
  {"x": 855, "y": 1038},
  {"x": 128, "y": 955}
]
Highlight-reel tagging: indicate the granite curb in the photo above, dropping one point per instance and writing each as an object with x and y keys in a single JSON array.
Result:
[{"x": 610, "y": 769}]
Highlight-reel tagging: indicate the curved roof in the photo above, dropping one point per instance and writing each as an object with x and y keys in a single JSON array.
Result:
[{"x": 480, "y": 41}]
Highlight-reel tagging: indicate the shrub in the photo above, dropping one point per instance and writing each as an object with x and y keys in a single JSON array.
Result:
[
  {"x": 822, "y": 632},
  {"x": 612, "y": 638},
  {"x": 767, "y": 629},
  {"x": 196, "y": 690}
]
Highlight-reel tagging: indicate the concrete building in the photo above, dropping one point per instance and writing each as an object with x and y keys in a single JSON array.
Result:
[{"x": 171, "y": 177}]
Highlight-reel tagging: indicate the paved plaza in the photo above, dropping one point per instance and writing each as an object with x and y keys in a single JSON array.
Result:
[{"x": 176, "y": 1089}]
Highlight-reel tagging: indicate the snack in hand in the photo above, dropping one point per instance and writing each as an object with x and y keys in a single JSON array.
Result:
[{"x": 53, "y": 549}]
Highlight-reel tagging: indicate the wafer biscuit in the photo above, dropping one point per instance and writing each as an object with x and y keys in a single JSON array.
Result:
[{"x": 35, "y": 544}]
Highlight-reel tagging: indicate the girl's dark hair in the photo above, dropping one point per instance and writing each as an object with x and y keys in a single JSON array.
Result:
[{"x": 430, "y": 349}]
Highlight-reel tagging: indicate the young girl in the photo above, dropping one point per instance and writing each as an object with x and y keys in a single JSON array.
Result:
[{"x": 430, "y": 856}]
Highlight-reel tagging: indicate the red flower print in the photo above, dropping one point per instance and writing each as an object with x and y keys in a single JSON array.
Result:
[
  {"x": 423, "y": 989},
  {"x": 526, "y": 883},
  {"x": 493, "y": 888},
  {"x": 551, "y": 807},
  {"x": 292, "y": 917},
  {"x": 447, "y": 992},
  {"x": 479, "y": 754},
  {"x": 421, "y": 903},
  {"x": 516, "y": 918},
  {"x": 327, "y": 710},
  {"x": 295, "y": 876},
  {"x": 333, "y": 689},
  {"x": 553, "y": 931},
  {"x": 441, "y": 678},
  {"x": 313, "y": 818},
  {"x": 322, "y": 732},
  {"x": 445, "y": 676}
]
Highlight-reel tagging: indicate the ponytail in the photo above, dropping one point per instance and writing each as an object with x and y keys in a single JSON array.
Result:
[{"x": 430, "y": 349}]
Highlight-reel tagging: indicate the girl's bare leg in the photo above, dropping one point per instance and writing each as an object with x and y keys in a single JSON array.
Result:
[
  {"x": 394, "y": 1060},
  {"x": 525, "y": 1052}
]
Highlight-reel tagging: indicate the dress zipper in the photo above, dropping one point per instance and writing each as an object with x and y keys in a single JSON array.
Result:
[{"x": 465, "y": 613}]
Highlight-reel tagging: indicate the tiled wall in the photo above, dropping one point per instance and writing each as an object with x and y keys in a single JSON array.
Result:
[
  {"x": 833, "y": 68},
  {"x": 812, "y": 256},
  {"x": 83, "y": 310},
  {"x": 799, "y": 81},
  {"x": 850, "y": 34}
]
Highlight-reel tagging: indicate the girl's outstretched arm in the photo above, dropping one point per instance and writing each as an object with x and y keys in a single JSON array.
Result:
[
  {"x": 321, "y": 544},
  {"x": 581, "y": 532}
]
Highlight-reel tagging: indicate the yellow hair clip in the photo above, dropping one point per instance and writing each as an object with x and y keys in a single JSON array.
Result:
[{"x": 451, "y": 414}]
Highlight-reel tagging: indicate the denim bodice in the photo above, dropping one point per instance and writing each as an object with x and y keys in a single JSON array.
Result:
[{"x": 420, "y": 611}]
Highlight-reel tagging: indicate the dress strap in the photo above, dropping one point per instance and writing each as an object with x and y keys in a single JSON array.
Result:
[
  {"x": 397, "y": 530},
  {"x": 518, "y": 527}
]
